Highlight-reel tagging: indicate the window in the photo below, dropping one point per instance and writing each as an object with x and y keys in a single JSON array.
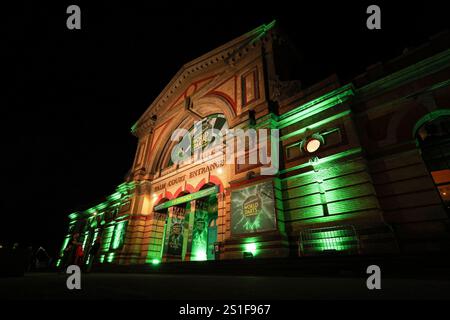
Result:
[
  {"x": 200, "y": 138},
  {"x": 434, "y": 141}
]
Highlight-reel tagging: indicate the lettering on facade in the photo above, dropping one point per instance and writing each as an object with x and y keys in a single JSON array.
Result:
[
  {"x": 176, "y": 181},
  {"x": 205, "y": 169},
  {"x": 160, "y": 187},
  {"x": 189, "y": 175}
]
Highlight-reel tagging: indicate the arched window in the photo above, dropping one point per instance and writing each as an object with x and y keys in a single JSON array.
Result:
[
  {"x": 200, "y": 136},
  {"x": 433, "y": 137}
]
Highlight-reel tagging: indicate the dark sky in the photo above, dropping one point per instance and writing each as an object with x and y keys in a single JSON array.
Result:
[{"x": 71, "y": 97}]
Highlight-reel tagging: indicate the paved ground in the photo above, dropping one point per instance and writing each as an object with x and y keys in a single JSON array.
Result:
[{"x": 189, "y": 287}]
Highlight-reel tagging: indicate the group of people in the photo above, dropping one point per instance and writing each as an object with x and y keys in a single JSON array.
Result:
[
  {"x": 16, "y": 259},
  {"x": 74, "y": 254}
]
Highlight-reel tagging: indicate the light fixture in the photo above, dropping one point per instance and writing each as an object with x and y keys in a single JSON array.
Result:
[
  {"x": 219, "y": 171},
  {"x": 250, "y": 248},
  {"x": 313, "y": 143}
]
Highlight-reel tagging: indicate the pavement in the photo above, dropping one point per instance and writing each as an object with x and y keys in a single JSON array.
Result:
[{"x": 126, "y": 286}]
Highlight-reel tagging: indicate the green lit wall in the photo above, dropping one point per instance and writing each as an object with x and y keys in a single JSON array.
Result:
[
  {"x": 103, "y": 220},
  {"x": 119, "y": 235},
  {"x": 331, "y": 187}
]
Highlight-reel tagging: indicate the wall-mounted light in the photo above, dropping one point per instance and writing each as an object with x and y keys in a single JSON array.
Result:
[{"x": 312, "y": 143}]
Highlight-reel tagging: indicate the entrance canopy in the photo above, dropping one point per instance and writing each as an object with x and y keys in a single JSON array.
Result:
[{"x": 187, "y": 198}]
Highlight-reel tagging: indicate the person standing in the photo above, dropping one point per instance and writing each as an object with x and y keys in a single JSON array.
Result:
[{"x": 76, "y": 248}]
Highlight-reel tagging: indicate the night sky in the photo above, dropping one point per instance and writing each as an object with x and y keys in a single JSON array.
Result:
[{"x": 71, "y": 96}]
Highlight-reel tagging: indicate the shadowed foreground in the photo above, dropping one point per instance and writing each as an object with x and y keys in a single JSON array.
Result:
[{"x": 188, "y": 287}]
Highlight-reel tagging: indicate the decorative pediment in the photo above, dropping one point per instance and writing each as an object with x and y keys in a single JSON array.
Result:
[{"x": 184, "y": 82}]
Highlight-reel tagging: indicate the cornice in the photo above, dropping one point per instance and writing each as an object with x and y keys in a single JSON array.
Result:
[{"x": 420, "y": 69}]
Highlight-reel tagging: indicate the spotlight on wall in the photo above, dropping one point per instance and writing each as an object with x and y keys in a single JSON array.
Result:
[
  {"x": 249, "y": 250},
  {"x": 312, "y": 143},
  {"x": 219, "y": 171}
]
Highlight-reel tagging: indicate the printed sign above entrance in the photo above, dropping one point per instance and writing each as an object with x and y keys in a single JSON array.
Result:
[
  {"x": 187, "y": 198},
  {"x": 253, "y": 209}
]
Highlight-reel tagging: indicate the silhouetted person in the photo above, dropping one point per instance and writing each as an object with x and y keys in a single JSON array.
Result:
[
  {"x": 42, "y": 258},
  {"x": 28, "y": 258},
  {"x": 79, "y": 254},
  {"x": 73, "y": 250}
]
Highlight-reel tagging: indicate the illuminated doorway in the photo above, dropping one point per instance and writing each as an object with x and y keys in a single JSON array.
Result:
[
  {"x": 204, "y": 231},
  {"x": 177, "y": 232},
  {"x": 189, "y": 234}
]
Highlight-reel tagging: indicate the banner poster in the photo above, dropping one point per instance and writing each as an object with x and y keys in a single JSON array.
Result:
[
  {"x": 175, "y": 243},
  {"x": 253, "y": 209},
  {"x": 200, "y": 233}
]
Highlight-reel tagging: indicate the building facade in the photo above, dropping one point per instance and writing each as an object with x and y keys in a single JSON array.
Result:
[{"x": 360, "y": 168}]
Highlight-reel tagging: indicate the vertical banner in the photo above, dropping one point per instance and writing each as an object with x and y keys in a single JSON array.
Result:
[
  {"x": 200, "y": 233},
  {"x": 175, "y": 245},
  {"x": 175, "y": 241},
  {"x": 253, "y": 209}
]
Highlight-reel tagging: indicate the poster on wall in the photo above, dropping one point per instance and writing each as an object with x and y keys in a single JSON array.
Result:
[
  {"x": 253, "y": 209},
  {"x": 199, "y": 235},
  {"x": 175, "y": 243}
]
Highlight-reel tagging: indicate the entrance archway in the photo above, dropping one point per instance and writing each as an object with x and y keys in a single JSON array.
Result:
[
  {"x": 190, "y": 225},
  {"x": 204, "y": 230},
  {"x": 433, "y": 137}
]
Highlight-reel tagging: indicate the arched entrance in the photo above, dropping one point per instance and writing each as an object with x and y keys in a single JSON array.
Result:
[
  {"x": 433, "y": 138},
  {"x": 204, "y": 231},
  {"x": 190, "y": 225}
]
